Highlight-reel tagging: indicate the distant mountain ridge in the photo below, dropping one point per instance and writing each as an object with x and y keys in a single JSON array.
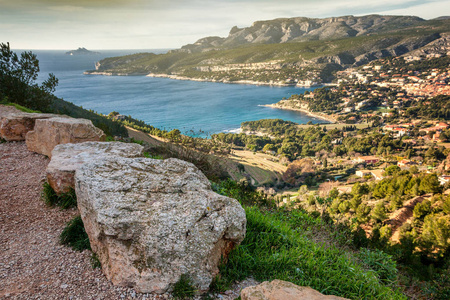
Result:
[
  {"x": 302, "y": 29},
  {"x": 290, "y": 51}
]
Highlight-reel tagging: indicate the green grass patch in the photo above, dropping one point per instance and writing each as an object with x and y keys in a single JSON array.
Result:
[
  {"x": 64, "y": 200},
  {"x": 74, "y": 235},
  {"x": 20, "y": 107},
  {"x": 183, "y": 289},
  {"x": 276, "y": 248},
  {"x": 381, "y": 263}
]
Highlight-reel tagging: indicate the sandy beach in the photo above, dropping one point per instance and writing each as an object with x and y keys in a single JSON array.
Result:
[{"x": 321, "y": 116}]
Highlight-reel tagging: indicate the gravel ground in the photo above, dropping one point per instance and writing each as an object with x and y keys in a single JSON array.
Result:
[{"x": 32, "y": 263}]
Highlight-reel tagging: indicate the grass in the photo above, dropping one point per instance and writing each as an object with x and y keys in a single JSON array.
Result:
[
  {"x": 20, "y": 107},
  {"x": 74, "y": 235},
  {"x": 275, "y": 248},
  {"x": 64, "y": 200},
  {"x": 95, "y": 262},
  {"x": 183, "y": 289}
]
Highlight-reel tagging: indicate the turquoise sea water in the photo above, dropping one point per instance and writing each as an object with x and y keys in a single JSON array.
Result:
[{"x": 162, "y": 102}]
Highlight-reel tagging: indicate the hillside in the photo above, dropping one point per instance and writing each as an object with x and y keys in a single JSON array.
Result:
[{"x": 291, "y": 51}]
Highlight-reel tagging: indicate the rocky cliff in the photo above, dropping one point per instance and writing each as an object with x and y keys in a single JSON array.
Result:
[
  {"x": 305, "y": 29},
  {"x": 288, "y": 51}
]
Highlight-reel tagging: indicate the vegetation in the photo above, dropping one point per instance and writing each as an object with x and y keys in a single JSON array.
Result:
[
  {"x": 64, "y": 200},
  {"x": 95, "y": 262},
  {"x": 183, "y": 289},
  {"x": 18, "y": 76},
  {"x": 74, "y": 235},
  {"x": 277, "y": 246},
  {"x": 325, "y": 99},
  {"x": 17, "y": 87}
]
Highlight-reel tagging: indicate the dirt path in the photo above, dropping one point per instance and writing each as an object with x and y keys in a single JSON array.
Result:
[
  {"x": 403, "y": 215},
  {"x": 142, "y": 136}
]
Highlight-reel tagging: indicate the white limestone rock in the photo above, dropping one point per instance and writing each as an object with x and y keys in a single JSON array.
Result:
[
  {"x": 283, "y": 290},
  {"x": 67, "y": 158},
  {"x": 150, "y": 221},
  {"x": 14, "y": 126},
  {"x": 48, "y": 133}
]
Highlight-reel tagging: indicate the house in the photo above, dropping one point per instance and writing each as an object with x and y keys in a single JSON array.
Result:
[
  {"x": 444, "y": 179},
  {"x": 368, "y": 159},
  {"x": 399, "y": 131},
  {"x": 362, "y": 173},
  {"x": 349, "y": 109},
  {"x": 437, "y": 137},
  {"x": 405, "y": 163},
  {"x": 377, "y": 174}
]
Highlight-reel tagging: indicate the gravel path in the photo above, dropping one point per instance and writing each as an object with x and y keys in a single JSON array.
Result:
[{"x": 33, "y": 265}]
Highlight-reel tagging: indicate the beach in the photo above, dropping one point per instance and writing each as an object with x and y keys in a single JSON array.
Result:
[{"x": 316, "y": 115}]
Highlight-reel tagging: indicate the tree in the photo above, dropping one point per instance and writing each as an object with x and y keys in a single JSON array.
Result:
[
  {"x": 18, "y": 76},
  {"x": 379, "y": 212},
  {"x": 430, "y": 184},
  {"x": 391, "y": 170},
  {"x": 362, "y": 213}
]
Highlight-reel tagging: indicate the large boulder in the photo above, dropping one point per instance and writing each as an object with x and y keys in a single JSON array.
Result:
[
  {"x": 15, "y": 126},
  {"x": 48, "y": 133},
  {"x": 67, "y": 158},
  {"x": 7, "y": 110},
  {"x": 283, "y": 290},
  {"x": 151, "y": 221}
]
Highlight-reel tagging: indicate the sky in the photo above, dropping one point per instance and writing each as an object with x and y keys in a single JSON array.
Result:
[{"x": 163, "y": 24}]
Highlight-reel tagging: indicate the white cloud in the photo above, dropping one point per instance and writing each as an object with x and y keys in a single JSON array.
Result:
[{"x": 59, "y": 24}]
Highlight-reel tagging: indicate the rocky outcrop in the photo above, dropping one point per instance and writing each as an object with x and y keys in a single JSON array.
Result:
[
  {"x": 7, "y": 110},
  {"x": 15, "y": 126},
  {"x": 67, "y": 158},
  {"x": 48, "y": 133},
  {"x": 283, "y": 290},
  {"x": 151, "y": 221},
  {"x": 305, "y": 29}
]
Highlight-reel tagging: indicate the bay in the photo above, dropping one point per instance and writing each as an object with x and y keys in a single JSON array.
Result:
[{"x": 165, "y": 103}]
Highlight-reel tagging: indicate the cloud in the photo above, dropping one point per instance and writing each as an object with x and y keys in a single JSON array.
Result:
[{"x": 96, "y": 24}]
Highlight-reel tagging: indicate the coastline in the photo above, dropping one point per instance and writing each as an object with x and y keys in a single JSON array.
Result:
[
  {"x": 178, "y": 77},
  {"x": 321, "y": 116},
  {"x": 252, "y": 82}
]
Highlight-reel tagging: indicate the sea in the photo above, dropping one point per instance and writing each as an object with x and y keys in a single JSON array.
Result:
[{"x": 195, "y": 108}]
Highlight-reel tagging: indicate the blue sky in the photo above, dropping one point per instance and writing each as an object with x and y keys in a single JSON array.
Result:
[{"x": 150, "y": 24}]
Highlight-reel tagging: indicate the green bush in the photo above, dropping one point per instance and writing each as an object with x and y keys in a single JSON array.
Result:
[
  {"x": 183, "y": 289},
  {"x": 64, "y": 200},
  {"x": 381, "y": 263},
  {"x": 74, "y": 235}
]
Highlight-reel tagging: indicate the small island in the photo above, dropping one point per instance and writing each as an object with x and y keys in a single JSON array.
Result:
[{"x": 81, "y": 51}]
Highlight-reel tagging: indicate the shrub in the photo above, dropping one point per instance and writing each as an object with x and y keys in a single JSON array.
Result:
[
  {"x": 183, "y": 289},
  {"x": 74, "y": 235},
  {"x": 65, "y": 200}
]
